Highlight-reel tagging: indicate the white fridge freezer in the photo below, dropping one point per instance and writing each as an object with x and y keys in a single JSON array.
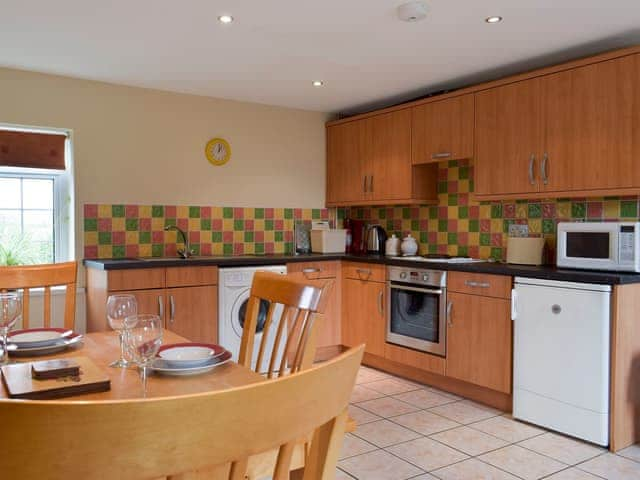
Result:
[{"x": 561, "y": 356}]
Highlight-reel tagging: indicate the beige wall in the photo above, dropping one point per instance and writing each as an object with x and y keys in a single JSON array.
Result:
[{"x": 134, "y": 145}]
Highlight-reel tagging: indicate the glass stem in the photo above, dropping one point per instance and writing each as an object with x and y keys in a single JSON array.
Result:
[
  {"x": 122, "y": 358},
  {"x": 5, "y": 345},
  {"x": 144, "y": 380}
]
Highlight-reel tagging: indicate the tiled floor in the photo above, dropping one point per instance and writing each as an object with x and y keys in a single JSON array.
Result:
[{"x": 412, "y": 431}]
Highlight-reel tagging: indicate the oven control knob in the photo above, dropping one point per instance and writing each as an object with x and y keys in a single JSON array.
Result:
[
  {"x": 425, "y": 277},
  {"x": 403, "y": 274}
]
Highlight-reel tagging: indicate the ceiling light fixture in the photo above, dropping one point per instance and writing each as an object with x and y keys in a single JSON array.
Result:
[
  {"x": 412, "y": 11},
  {"x": 225, "y": 19},
  {"x": 493, "y": 19},
  {"x": 318, "y": 83}
]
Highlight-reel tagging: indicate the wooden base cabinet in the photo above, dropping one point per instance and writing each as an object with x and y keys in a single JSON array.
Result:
[{"x": 192, "y": 312}]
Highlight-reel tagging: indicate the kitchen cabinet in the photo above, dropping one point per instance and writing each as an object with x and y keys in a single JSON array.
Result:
[
  {"x": 442, "y": 130},
  {"x": 186, "y": 298},
  {"x": 363, "y": 309},
  {"x": 573, "y": 132},
  {"x": 479, "y": 331},
  {"x": 369, "y": 162}
]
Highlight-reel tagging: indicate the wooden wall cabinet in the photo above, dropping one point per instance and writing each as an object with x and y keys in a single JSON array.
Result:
[
  {"x": 442, "y": 130},
  {"x": 479, "y": 330},
  {"x": 369, "y": 162},
  {"x": 186, "y": 298}
]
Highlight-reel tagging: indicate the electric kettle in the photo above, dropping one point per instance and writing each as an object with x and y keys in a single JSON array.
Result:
[{"x": 376, "y": 239}]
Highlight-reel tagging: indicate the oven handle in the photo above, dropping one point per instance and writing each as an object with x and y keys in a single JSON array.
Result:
[{"x": 414, "y": 289}]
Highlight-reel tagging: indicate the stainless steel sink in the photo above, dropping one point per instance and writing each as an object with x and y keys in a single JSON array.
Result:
[{"x": 179, "y": 259}]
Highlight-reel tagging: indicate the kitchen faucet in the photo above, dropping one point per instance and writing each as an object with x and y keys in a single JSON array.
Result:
[{"x": 185, "y": 252}]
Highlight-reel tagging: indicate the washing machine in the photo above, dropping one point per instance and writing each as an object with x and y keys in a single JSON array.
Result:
[{"x": 234, "y": 286}]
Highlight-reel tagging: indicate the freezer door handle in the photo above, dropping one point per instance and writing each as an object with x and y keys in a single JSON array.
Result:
[{"x": 514, "y": 310}]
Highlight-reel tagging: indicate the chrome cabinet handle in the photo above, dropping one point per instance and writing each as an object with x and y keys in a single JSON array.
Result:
[
  {"x": 449, "y": 308},
  {"x": 532, "y": 161},
  {"x": 311, "y": 270},
  {"x": 437, "y": 156},
  {"x": 543, "y": 168},
  {"x": 172, "y": 309},
  {"x": 471, "y": 283},
  {"x": 380, "y": 306},
  {"x": 363, "y": 271},
  {"x": 160, "y": 307}
]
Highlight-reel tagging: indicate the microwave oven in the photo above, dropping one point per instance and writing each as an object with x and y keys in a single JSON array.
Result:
[{"x": 599, "y": 245}]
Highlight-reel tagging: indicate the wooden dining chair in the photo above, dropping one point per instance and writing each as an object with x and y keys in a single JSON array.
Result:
[
  {"x": 38, "y": 276},
  {"x": 302, "y": 304},
  {"x": 152, "y": 438}
]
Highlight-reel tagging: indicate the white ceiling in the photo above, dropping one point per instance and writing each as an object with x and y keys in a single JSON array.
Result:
[{"x": 275, "y": 48}]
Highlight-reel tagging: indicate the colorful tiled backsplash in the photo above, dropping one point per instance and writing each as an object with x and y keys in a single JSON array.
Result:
[
  {"x": 116, "y": 231},
  {"x": 459, "y": 225}
]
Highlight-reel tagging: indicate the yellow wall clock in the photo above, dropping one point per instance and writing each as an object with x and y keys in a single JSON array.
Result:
[{"x": 218, "y": 151}]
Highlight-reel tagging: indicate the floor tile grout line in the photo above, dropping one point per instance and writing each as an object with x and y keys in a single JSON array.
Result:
[
  {"x": 471, "y": 425},
  {"x": 499, "y": 468},
  {"x": 347, "y": 473},
  {"x": 628, "y": 458},
  {"x": 552, "y": 458}
]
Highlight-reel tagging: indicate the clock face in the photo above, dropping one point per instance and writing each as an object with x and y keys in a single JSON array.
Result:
[{"x": 218, "y": 151}]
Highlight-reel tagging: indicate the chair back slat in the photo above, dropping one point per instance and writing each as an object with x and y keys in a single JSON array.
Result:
[
  {"x": 289, "y": 324},
  {"x": 43, "y": 276},
  {"x": 132, "y": 439},
  {"x": 283, "y": 462}
]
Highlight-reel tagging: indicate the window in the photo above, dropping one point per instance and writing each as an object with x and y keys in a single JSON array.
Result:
[{"x": 36, "y": 214}]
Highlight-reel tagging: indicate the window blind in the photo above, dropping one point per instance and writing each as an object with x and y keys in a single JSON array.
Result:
[{"x": 32, "y": 149}]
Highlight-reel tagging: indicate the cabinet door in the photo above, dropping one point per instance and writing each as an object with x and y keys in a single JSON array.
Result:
[
  {"x": 192, "y": 312},
  {"x": 442, "y": 130},
  {"x": 479, "y": 341},
  {"x": 389, "y": 154},
  {"x": 149, "y": 301},
  {"x": 592, "y": 118},
  {"x": 363, "y": 319},
  {"x": 508, "y": 138},
  {"x": 345, "y": 157}
]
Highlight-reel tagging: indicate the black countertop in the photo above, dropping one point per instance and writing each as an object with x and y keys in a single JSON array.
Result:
[{"x": 542, "y": 272}]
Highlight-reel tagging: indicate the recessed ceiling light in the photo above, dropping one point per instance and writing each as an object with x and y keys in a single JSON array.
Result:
[
  {"x": 493, "y": 19},
  {"x": 318, "y": 83},
  {"x": 412, "y": 11},
  {"x": 225, "y": 19}
]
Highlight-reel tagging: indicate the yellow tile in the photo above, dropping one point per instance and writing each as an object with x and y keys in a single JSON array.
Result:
[
  {"x": 474, "y": 239},
  {"x": 485, "y": 252},
  {"x": 182, "y": 211},
  {"x": 144, "y": 211},
  {"x": 463, "y": 225},
  {"x": 117, "y": 224},
  {"x": 432, "y": 224},
  {"x": 157, "y": 224},
  {"x": 442, "y": 238},
  {"x": 144, "y": 250},
  {"x": 452, "y": 213},
  {"x": 90, "y": 239},
  {"x": 104, "y": 211},
  {"x": 269, "y": 236},
  {"x": 194, "y": 225},
  {"x": 463, "y": 186},
  {"x": 249, "y": 213},
  {"x": 535, "y": 225},
  {"x": 611, "y": 209},
  {"x": 278, "y": 213},
  {"x": 105, "y": 251},
  {"x": 217, "y": 249},
  {"x": 496, "y": 225},
  {"x": 249, "y": 248},
  {"x": 238, "y": 237},
  {"x": 563, "y": 210},
  {"x": 227, "y": 224},
  {"x": 258, "y": 225},
  {"x": 452, "y": 173},
  {"x": 307, "y": 214},
  {"x": 452, "y": 249},
  {"x": 443, "y": 199},
  {"x": 522, "y": 210},
  {"x": 216, "y": 212},
  {"x": 485, "y": 211},
  {"x": 131, "y": 238},
  {"x": 278, "y": 247}
]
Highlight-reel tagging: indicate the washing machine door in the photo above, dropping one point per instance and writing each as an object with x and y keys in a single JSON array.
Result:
[{"x": 262, "y": 315}]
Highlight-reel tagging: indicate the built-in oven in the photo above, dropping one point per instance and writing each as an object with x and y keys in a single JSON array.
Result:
[{"x": 416, "y": 308}]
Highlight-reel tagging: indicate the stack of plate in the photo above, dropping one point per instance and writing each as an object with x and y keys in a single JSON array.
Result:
[
  {"x": 41, "y": 341},
  {"x": 189, "y": 358}
]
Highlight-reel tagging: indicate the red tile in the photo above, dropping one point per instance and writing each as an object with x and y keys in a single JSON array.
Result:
[
  {"x": 297, "y": 213},
  {"x": 170, "y": 250},
  {"x": 415, "y": 213},
  {"x": 117, "y": 238},
  {"x": 432, "y": 237},
  {"x": 366, "y": 213},
  {"x": 144, "y": 225},
  {"x": 104, "y": 224},
  {"x": 157, "y": 237},
  {"x": 259, "y": 237},
  {"x": 463, "y": 199},
  {"x": 463, "y": 162},
  {"x": 238, "y": 213},
  {"x": 205, "y": 249},
  {"x": 170, "y": 211},
  {"x": 278, "y": 225},
  {"x": 238, "y": 248},
  {"x": 205, "y": 212},
  {"x": 474, "y": 212},
  {"x": 509, "y": 210},
  {"x": 90, "y": 210},
  {"x": 183, "y": 223},
  {"x": 216, "y": 224},
  {"x": 288, "y": 236},
  {"x": 131, "y": 211},
  {"x": 474, "y": 251},
  {"x": 452, "y": 225},
  {"x": 269, "y": 247},
  {"x": 424, "y": 225},
  {"x": 463, "y": 238},
  {"x": 442, "y": 249},
  {"x": 485, "y": 225},
  {"x": 194, "y": 237},
  {"x": 268, "y": 213},
  {"x": 442, "y": 213},
  {"x": 132, "y": 250},
  {"x": 595, "y": 209},
  {"x": 248, "y": 225},
  {"x": 397, "y": 225},
  {"x": 442, "y": 174},
  {"x": 91, "y": 251},
  {"x": 548, "y": 210},
  {"x": 389, "y": 213},
  {"x": 324, "y": 214},
  {"x": 227, "y": 237},
  {"x": 452, "y": 186},
  {"x": 496, "y": 239}
]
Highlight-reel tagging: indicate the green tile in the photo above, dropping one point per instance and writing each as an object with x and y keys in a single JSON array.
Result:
[
  {"x": 452, "y": 163},
  {"x": 534, "y": 210},
  {"x": 463, "y": 212},
  {"x": 548, "y": 226},
  {"x": 278, "y": 237},
  {"x": 248, "y": 237},
  {"x": 522, "y": 201},
  {"x": 157, "y": 211},
  {"x": 433, "y": 213},
  {"x": 474, "y": 225},
  {"x": 194, "y": 212},
  {"x": 359, "y": 213},
  {"x": 205, "y": 224},
  {"x": 442, "y": 225},
  {"x": 104, "y": 238},
  {"x": 452, "y": 201},
  {"x": 578, "y": 210},
  {"x": 90, "y": 225},
  {"x": 496, "y": 253},
  {"x": 196, "y": 248},
  {"x": 315, "y": 213},
  {"x": 227, "y": 249},
  {"x": 288, "y": 213},
  {"x": 442, "y": 187},
  {"x": 433, "y": 248},
  {"x": 472, "y": 186},
  {"x": 424, "y": 238},
  {"x": 131, "y": 224},
  {"x": 118, "y": 251},
  {"x": 406, "y": 213},
  {"x": 463, "y": 173},
  {"x": 268, "y": 225},
  {"x": 415, "y": 225},
  {"x": 382, "y": 213},
  {"x": 496, "y": 210},
  {"x": 389, "y": 227},
  {"x": 227, "y": 212},
  {"x": 238, "y": 225},
  {"x": 463, "y": 251},
  {"x": 288, "y": 248},
  {"x": 628, "y": 209},
  {"x": 452, "y": 238},
  {"x": 506, "y": 224},
  {"x": 216, "y": 237},
  {"x": 259, "y": 248},
  {"x": 144, "y": 238},
  {"x": 341, "y": 213},
  {"x": 117, "y": 211},
  {"x": 258, "y": 213},
  {"x": 169, "y": 222},
  {"x": 157, "y": 250},
  {"x": 485, "y": 239}
]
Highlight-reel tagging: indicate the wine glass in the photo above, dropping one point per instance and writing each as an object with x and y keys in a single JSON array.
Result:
[
  {"x": 143, "y": 337},
  {"x": 10, "y": 312},
  {"x": 119, "y": 307}
]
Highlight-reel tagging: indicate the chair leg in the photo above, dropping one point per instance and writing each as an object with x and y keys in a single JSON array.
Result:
[{"x": 325, "y": 449}]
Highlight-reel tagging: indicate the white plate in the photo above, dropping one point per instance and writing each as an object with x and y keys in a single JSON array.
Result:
[
  {"x": 189, "y": 354},
  {"x": 166, "y": 369},
  {"x": 39, "y": 337},
  {"x": 17, "y": 351}
]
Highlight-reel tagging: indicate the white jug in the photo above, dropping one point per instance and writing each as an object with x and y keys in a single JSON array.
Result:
[
  {"x": 409, "y": 245},
  {"x": 392, "y": 246}
]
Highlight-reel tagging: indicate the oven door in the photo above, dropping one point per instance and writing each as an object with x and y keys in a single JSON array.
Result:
[{"x": 416, "y": 317}]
